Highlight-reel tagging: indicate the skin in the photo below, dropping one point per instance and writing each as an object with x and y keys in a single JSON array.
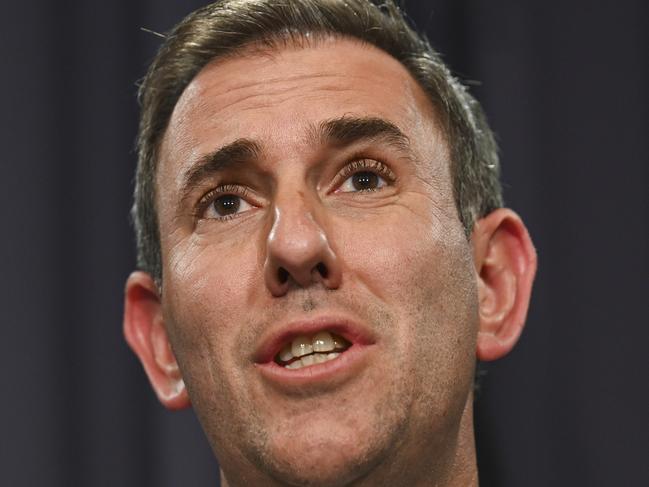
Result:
[{"x": 397, "y": 260}]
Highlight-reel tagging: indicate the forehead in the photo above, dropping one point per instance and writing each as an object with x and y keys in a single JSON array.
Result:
[{"x": 276, "y": 95}]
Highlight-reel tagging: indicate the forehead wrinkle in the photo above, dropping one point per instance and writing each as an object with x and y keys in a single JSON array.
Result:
[
  {"x": 321, "y": 93},
  {"x": 200, "y": 91},
  {"x": 263, "y": 90}
]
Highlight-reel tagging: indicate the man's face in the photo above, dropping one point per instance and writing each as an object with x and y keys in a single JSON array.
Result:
[{"x": 308, "y": 190}]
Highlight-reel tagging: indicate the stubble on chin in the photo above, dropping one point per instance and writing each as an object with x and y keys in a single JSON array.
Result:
[{"x": 336, "y": 460}]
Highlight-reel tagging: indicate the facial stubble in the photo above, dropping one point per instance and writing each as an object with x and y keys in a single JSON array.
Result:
[{"x": 403, "y": 406}]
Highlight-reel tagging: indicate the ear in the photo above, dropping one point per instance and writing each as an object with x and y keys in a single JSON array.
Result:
[
  {"x": 145, "y": 333},
  {"x": 505, "y": 262}
]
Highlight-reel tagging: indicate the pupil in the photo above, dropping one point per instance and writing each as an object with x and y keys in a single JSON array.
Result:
[
  {"x": 226, "y": 205},
  {"x": 365, "y": 180}
]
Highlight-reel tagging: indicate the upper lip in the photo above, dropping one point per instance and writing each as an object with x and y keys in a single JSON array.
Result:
[{"x": 351, "y": 330}]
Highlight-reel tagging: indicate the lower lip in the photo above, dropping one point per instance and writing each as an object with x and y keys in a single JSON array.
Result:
[{"x": 346, "y": 365}]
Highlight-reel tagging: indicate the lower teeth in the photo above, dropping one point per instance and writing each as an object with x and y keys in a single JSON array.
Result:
[{"x": 316, "y": 358}]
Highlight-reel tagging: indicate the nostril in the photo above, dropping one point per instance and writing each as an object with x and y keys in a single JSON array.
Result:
[
  {"x": 282, "y": 275},
  {"x": 322, "y": 269}
]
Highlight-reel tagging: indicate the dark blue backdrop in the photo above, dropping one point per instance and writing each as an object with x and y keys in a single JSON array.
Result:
[{"x": 565, "y": 86}]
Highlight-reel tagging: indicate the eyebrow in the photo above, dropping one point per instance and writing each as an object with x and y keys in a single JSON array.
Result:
[
  {"x": 341, "y": 131},
  {"x": 235, "y": 153},
  {"x": 347, "y": 130}
]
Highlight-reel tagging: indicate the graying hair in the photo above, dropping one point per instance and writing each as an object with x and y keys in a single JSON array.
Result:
[{"x": 224, "y": 28}]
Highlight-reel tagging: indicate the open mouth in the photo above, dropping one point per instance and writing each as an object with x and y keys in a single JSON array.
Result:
[{"x": 304, "y": 350}]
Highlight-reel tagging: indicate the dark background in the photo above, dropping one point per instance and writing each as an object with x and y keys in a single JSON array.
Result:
[{"x": 565, "y": 87}]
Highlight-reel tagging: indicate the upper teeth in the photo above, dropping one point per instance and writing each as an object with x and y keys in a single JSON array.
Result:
[{"x": 303, "y": 346}]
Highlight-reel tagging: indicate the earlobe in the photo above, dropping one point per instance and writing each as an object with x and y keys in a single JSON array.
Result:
[
  {"x": 505, "y": 262},
  {"x": 145, "y": 333}
]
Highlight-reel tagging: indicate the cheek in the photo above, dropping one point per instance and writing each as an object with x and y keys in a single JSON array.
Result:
[
  {"x": 422, "y": 270},
  {"x": 205, "y": 300},
  {"x": 404, "y": 259},
  {"x": 206, "y": 306}
]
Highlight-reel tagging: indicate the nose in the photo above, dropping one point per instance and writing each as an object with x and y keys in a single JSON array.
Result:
[{"x": 299, "y": 252}]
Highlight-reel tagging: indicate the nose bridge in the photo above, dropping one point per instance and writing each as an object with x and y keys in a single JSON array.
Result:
[
  {"x": 299, "y": 249},
  {"x": 296, "y": 235}
]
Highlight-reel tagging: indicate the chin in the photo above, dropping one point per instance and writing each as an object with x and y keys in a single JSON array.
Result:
[
  {"x": 326, "y": 465},
  {"x": 327, "y": 455}
]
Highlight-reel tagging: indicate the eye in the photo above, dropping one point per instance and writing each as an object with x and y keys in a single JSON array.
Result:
[
  {"x": 363, "y": 181},
  {"x": 223, "y": 203},
  {"x": 365, "y": 175},
  {"x": 229, "y": 204}
]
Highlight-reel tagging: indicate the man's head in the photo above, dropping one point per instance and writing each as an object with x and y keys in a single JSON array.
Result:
[{"x": 317, "y": 212}]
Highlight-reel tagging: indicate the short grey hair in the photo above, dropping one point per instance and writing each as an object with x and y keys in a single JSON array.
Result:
[{"x": 224, "y": 28}]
